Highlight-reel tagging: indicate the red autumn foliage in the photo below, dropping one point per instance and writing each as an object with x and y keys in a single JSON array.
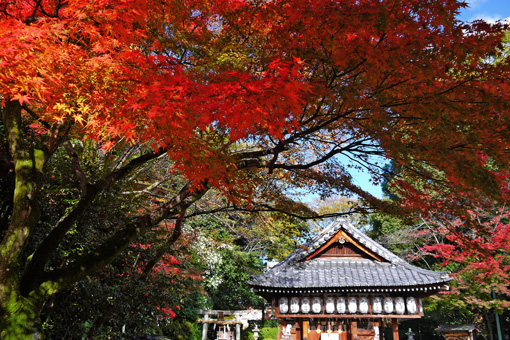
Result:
[{"x": 478, "y": 250}]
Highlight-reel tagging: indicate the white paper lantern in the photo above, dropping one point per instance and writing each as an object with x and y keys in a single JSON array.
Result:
[
  {"x": 305, "y": 305},
  {"x": 363, "y": 305},
  {"x": 284, "y": 305},
  {"x": 316, "y": 305},
  {"x": 388, "y": 305},
  {"x": 400, "y": 305},
  {"x": 294, "y": 305},
  {"x": 412, "y": 307},
  {"x": 377, "y": 305},
  {"x": 330, "y": 305},
  {"x": 340, "y": 305},
  {"x": 351, "y": 305},
  {"x": 421, "y": 308}
]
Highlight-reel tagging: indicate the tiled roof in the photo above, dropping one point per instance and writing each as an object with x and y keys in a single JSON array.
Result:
[
  {"x": 292, "y": 272},
  {"x": 457, "y": 328},
  {"x": 325, "y": 273}
]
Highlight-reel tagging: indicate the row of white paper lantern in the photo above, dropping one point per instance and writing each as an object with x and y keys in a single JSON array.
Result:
[{"x": 351, "y": 305}]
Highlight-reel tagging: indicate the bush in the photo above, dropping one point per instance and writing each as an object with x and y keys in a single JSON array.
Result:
[
  {"x": 247, "y": 335},
  {"x": 268, "y": 333}
]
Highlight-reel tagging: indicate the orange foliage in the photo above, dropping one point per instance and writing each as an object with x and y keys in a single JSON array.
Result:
[{"x": 199, "y": 78}]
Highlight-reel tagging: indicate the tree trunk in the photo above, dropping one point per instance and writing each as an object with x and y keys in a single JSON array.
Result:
[
  {"x": 24, "y": 288},
  {"x": 488, "y": 322},
  {"x": 20, "y": 319},
  {"x": 19, "y": 315}
]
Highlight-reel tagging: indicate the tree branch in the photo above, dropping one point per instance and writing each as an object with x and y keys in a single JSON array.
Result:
[
  {"x": 105, "y": 253},
  {"x": 33, "y": 273},
  {"x": 163, "y": 250}
]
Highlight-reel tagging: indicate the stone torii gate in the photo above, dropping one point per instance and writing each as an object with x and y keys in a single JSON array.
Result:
[{"x": 241, "y": 318}]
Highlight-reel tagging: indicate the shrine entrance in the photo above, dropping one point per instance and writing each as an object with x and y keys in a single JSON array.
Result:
[{"x": 330, "y": 329}]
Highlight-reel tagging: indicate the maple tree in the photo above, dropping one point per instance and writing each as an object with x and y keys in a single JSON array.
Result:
[
  {"x": 476, "y": 252},
  {"x": 469, "y": 238},
  {"x": 253, "y": 98}
]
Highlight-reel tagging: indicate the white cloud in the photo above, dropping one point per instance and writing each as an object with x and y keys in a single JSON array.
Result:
[{"x": 489, "y": 18}]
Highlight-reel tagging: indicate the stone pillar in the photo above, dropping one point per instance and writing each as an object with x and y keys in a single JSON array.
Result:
[
  {"x": 238, "y": 331},
  {"x": 204, "y": 327}
]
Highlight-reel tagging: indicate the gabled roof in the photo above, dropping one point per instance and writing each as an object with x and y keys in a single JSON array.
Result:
[{"x": 302, "y": 270}]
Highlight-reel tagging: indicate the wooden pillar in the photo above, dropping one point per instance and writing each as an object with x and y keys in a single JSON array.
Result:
[
  {"x": 381, "y": 330},
  {"x": 204, "y": 327},
  {"x": 305, "y": 328},
  {"x": 354, "y": 329},
  {"x": 394, "y": 326},
  {"x": 279, "y": 334},
  {"x": 299, "y": 329}
]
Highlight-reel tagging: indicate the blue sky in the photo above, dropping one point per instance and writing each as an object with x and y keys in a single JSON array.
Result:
[{"x": 488, "y": 10}]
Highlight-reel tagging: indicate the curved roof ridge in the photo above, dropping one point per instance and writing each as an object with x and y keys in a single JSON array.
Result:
[
  {"x": 371, "y": 244},
  {"x": 310, "y": 246},
  {"x": 327, "y": 233}
]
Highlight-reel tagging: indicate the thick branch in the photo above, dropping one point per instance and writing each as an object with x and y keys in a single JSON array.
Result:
[
  {"x": 93, "y": 260},
  {"x": 263, "y": 163},
  {"x": 104, "y": 254},
  {"x": 35, "y": 267},
  {"x": 163, "y": 250},
  {"x": 283, "y": 144},
  {"x": 267, "y": 208}
]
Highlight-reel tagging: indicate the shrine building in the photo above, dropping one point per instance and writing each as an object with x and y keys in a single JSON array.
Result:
[{"x": 342, "y": 285}]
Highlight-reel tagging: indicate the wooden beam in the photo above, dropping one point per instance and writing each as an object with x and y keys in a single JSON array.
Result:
[
  {"x": 216, "y": 311},
  {"x": 394, "y": 326},
  {"x": 347, "y": 316},
  {"x": 279, "y": 334},
  {"x": 219, "y": 322}
]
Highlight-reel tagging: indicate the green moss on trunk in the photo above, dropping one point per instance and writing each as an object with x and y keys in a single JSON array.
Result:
[{"x": 21, "y": 319}]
